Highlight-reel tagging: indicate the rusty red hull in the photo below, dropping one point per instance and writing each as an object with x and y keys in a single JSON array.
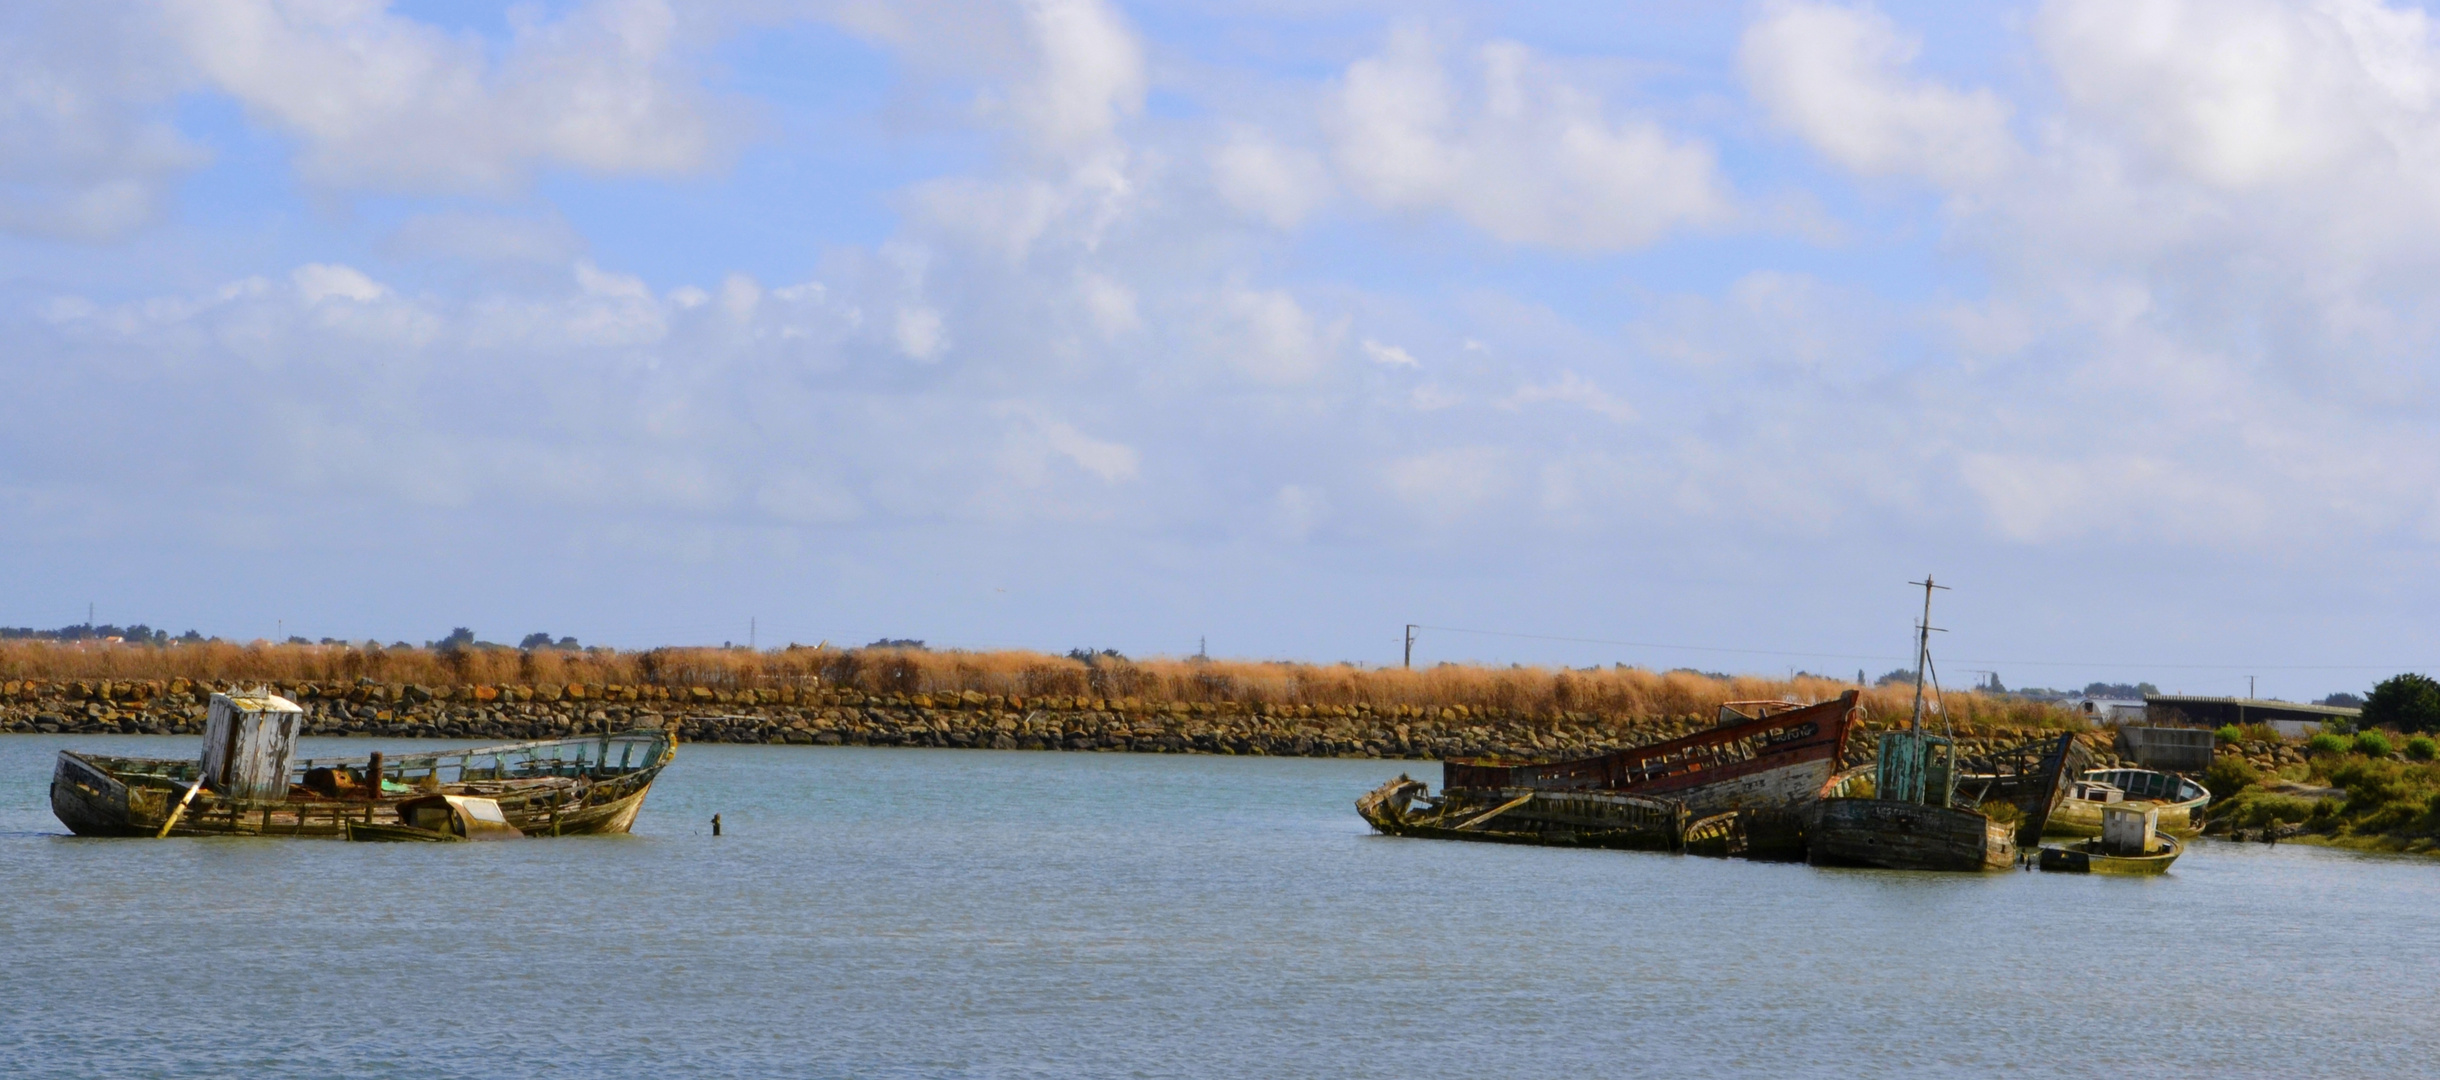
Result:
[{"x": 1773, "y": 762}]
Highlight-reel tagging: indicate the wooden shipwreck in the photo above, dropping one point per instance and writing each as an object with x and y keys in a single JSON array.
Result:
[
  {"x": 245, "y": 783},
  {"x": 1744, "y": 787},
  {"x": 1914, "y": 818},
  {"x": 2180, "y": 801}
]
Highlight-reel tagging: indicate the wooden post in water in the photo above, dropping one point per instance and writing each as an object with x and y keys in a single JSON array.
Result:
[
  {"x": 715, "y": 824},
  {"x": 372, "y": 776}
]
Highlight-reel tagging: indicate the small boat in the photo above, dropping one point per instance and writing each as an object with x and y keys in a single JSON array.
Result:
[
  {"x": 2179, "y": 800},
  {"x": 1910, "y": 821},
  {"x": 2087, "y": 857},
  {"x": 440, "y": 818},
  {"x": 246, "y": 785},
  {"x": 2130, "y": 844},
  {"x": 1596, "y": 819}
]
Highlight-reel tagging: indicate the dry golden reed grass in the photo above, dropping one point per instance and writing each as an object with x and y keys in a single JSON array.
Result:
[{"x": 1531, "y": 691}]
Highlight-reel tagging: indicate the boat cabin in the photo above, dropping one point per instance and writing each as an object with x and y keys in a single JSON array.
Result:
[
  {"x": 458, "y": 815},
  {"x": 2097, "y": 792},
  {"x": 2128, "y": 830}
]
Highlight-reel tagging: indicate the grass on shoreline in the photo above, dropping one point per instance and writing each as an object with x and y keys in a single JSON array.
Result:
[
  {"x": 1528, "y": 691},
  {"x": 2382, "y": 804}
]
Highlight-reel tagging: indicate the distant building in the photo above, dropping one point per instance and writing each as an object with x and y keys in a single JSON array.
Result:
[
  {"x": 2103, "y": 712},
  {"x": 2287, "y": 717}
]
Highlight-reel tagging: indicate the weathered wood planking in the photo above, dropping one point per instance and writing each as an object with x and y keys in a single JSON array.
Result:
[
  {"x": 1899, "y": 835},
  {"x": 247, "y": 742},
  {"x": 563, "y": 787}
]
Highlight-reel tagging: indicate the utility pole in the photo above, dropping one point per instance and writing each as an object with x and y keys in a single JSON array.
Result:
[
  {"x": 750, "y": 632},
  {"x": 1923, "y": 648},
  {"x": 1409, "y": 662},
  {"x": 1203, "y": 647}
]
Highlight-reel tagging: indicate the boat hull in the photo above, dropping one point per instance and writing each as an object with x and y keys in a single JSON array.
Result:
[
  {"x": 1897, "y": 835},
  {"x": 1522, "y": 816},
  {"x": 2088, "y": 858},
  {"x": 134, "y": 797},
  {"x": 1767, "y": 771},
  {"x": 2181, "y": 803}
]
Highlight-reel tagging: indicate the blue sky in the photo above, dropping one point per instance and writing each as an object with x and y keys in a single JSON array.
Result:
[{"x": 1059, "y": 323}]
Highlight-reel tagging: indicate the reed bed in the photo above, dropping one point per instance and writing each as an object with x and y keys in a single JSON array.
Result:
[{"x": 1527, "y": 691}]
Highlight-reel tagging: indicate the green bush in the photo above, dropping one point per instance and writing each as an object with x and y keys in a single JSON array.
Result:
[
  {"x": 2373, "y": 744},
  {"x": 2228, "y": 733},
  {"x": 2408, "y": 702},
  {"x": 2422, "y": 748},
  {"x": 2325, "y": 743},
  {"x": 2228, "y": 775},
  {"x": 2255, "y": 809}
]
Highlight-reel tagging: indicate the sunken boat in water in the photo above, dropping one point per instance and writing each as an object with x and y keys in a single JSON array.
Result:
[
  {"x": 246, "y": 782},
  {"x": 1743, "y": 787},
  {"x": 1914, "y": 817},
  {"x": 2131, "y": 842},
  {"x": 2179, "y": 799}
]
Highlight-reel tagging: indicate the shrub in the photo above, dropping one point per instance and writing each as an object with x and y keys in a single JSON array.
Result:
[
  {"x": 2228, "y": 733},
  {"x": 2373, "y": 744},
  {"x": 2325, "y": 743},
  {"x": 2255, "y": 809},
  {"x": 2228, "y": 775},
  {"x": 2408, "y": 702},
  {"x": 2422, "y": 748}
]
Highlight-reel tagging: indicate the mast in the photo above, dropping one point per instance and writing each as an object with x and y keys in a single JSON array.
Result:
[{"x": 1923, "y": 649}]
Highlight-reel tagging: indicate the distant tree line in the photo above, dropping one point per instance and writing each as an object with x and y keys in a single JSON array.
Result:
[{"x": 136, "y": 634}]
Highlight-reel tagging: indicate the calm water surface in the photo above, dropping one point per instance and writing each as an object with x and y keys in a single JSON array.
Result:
[{"x": 886, "y": 913}]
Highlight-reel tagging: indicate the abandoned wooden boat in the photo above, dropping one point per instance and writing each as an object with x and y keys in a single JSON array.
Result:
[
  {"x": 2033, "y": 779},
  {"x": 1911, "y": 821},
  {"x": 2131, "y": 843},
  {"x": 2179, "y": 800},
  {"x": 246, "y": 784},
  {"x": 440, "y": 818},
  {"x": 1764, "y": 765},
  {"x": 1596, "y": 819}
]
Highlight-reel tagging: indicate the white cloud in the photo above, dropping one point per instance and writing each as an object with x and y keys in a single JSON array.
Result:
[
  {"x": 1514, "y": 149},
  {"x": 1835, "y": 75},
  {"x": 1111, "y": 461},
  {"x": 921, "y": 336},
  {"x": 1110, "y": 304},
  {"x": 1266, "y": 335},
  {"x": 1444, "y": 486},
  {"x": 317, "y": 282},
  {"x": 1388, "y": 355},
  {"x": 1263, "y": 179},
  {"x": 1089, "y": 77},
  {"x": 382, "y": 101},
  {"x": 2244, "y": 92},
  {"x": 1571, "y": 388},
  {"x": 87, "y": 151}
]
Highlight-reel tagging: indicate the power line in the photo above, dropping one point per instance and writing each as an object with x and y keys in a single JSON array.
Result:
[
  {"x": 1656, "y": 644},
  {"x": 1888, "y": 656}
]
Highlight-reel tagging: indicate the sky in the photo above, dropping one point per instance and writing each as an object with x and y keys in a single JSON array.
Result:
[{"x": 1693, "y": 332}]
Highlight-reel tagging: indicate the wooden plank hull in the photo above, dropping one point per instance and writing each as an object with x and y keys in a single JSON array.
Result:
[
  {"x": 1907, "y": 836},
  {"x": 129, "y": 797},
  {"x": 1524, "y": 816}
]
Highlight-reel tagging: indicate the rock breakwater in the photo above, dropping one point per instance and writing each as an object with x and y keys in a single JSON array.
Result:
[{"x": 829, "y": 717}]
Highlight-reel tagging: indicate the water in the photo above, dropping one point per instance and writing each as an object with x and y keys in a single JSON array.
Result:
[{"x": 918, "y": 913}]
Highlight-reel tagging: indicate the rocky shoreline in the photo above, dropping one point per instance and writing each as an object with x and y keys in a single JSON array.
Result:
[{"x": 832, "y": 717}]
